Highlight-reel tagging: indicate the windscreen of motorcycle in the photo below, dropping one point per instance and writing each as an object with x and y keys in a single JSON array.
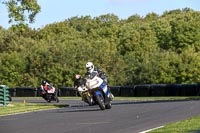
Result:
[
  {"x": 82, "y": 89},
  {"x": 52, "y": 90},
  {"x": 94, "y": 82}
]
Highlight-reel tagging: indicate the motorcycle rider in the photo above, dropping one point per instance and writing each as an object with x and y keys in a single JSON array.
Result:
[
  {"x": 44, "y": 87},
  {"x": 91, "y": 72},
  {"x": 78, "y": 81}
]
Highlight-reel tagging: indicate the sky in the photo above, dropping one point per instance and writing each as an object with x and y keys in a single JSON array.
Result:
[{"x": 59, "y": 10}]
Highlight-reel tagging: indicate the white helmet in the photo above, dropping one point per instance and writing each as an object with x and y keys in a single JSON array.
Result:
[{"x": 89, "y": 67}]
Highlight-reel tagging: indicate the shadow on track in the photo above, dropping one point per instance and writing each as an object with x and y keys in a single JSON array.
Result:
[
  {"x": 80, "y": 108},
  {"x": 85, "y": 108}
]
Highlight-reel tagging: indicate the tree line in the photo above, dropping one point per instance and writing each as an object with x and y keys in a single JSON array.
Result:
[{"x": 137, "y": 50}]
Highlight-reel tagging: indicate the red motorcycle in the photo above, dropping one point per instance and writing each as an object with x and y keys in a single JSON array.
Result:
[{"x": 50, "y": 94}]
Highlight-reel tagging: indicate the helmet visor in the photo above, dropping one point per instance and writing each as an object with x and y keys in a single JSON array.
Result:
[{"x": 89, "y": 68}]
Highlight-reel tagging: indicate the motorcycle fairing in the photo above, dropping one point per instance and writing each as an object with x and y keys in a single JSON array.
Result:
[{"x": 98, "y": 93}]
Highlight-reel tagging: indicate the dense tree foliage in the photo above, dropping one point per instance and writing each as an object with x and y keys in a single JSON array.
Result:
[
  {"x": 21, "y": 11},
  {"x": 138, "y": 50}
]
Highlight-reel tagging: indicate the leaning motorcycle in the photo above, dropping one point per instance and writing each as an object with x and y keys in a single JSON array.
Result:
[
  {"x": 100, "y": 92},
  {"x": 85, "y": 93},
  {"x": 50, "y": 94}
]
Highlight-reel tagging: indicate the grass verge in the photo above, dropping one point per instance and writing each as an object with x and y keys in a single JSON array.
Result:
[
  {"x": 172, "y": 98},
  {"x": 191, "y": 125},
  {"x": 14, "y": 107}
]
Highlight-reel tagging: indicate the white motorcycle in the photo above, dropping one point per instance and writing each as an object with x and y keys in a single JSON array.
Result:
[
  {"x": 85, "y": 94},
  {"x": 99, "y": 90},
  {"x": 94, "y": 91}
]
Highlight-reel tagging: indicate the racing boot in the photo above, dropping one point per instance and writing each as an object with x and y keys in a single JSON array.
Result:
[{"x": 110, "y": 94}]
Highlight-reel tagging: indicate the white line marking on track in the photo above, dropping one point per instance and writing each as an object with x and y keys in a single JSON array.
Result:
[{"x": 151, "y": 129}]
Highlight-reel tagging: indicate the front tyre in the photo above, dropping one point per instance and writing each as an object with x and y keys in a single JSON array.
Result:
[
  {"x": 89, "y": 100},
  {"x": 100, "y": 101},
  {"x": 108, "y": 106},
  {"x": 49, "y": 100},
  {"x": 57, "y": 100}
]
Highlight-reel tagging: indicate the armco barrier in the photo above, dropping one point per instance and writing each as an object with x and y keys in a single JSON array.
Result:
[
  {"x": 26, "y": 91},
  {"x": 12, "y": 92},
  {"x": 173, "y": 90},
  {"x": 127, "y": 90},
  {"x": 189, "y": 90},
  {"x": 142, "y": 90},
  {"x": 39, "y": 92},
  {"x": 158, "y": 90},
  {"x": 116, "y": 90},
  {"x": 198, "y": 89},
  {"x": 67, "y": 91},
  {"x": 131, "y": 90}
]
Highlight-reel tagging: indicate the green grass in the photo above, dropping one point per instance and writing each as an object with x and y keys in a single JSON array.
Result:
[
  {"x": 191, "y": 125},
  {"x": 171, "y": 98},
  {"x": 14, "y": 107},
  {"x": 122, "y": 98}
]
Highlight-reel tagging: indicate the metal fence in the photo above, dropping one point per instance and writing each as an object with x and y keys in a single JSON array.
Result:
[{"x": 131, "y": 90}]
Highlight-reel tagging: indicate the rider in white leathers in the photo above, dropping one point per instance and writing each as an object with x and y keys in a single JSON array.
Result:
[{"x": 91, "y": 72}]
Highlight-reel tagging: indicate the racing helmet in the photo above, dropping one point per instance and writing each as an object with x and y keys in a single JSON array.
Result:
[
  {"x": 89, "y": 67},
  {"x": 44, "y": 82}
]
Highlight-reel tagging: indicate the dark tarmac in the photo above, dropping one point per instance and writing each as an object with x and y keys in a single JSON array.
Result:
[{"x": 123, "y": 117}]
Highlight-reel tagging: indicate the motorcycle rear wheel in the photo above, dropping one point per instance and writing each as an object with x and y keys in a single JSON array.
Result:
[{"x": 89, "y": 100}]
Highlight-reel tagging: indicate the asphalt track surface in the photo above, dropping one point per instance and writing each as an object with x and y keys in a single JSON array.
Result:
[{"x": 123, "y": 117}]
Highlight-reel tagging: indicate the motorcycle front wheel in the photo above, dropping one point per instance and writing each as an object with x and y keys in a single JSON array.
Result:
[
  {"x": 108, "y": 106},
  {"x": 49, "y": 100},
  {"x": 100, "y": 101},
  {"x": 89, "y": 100},
  {"x": 57, "y": 100}
]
